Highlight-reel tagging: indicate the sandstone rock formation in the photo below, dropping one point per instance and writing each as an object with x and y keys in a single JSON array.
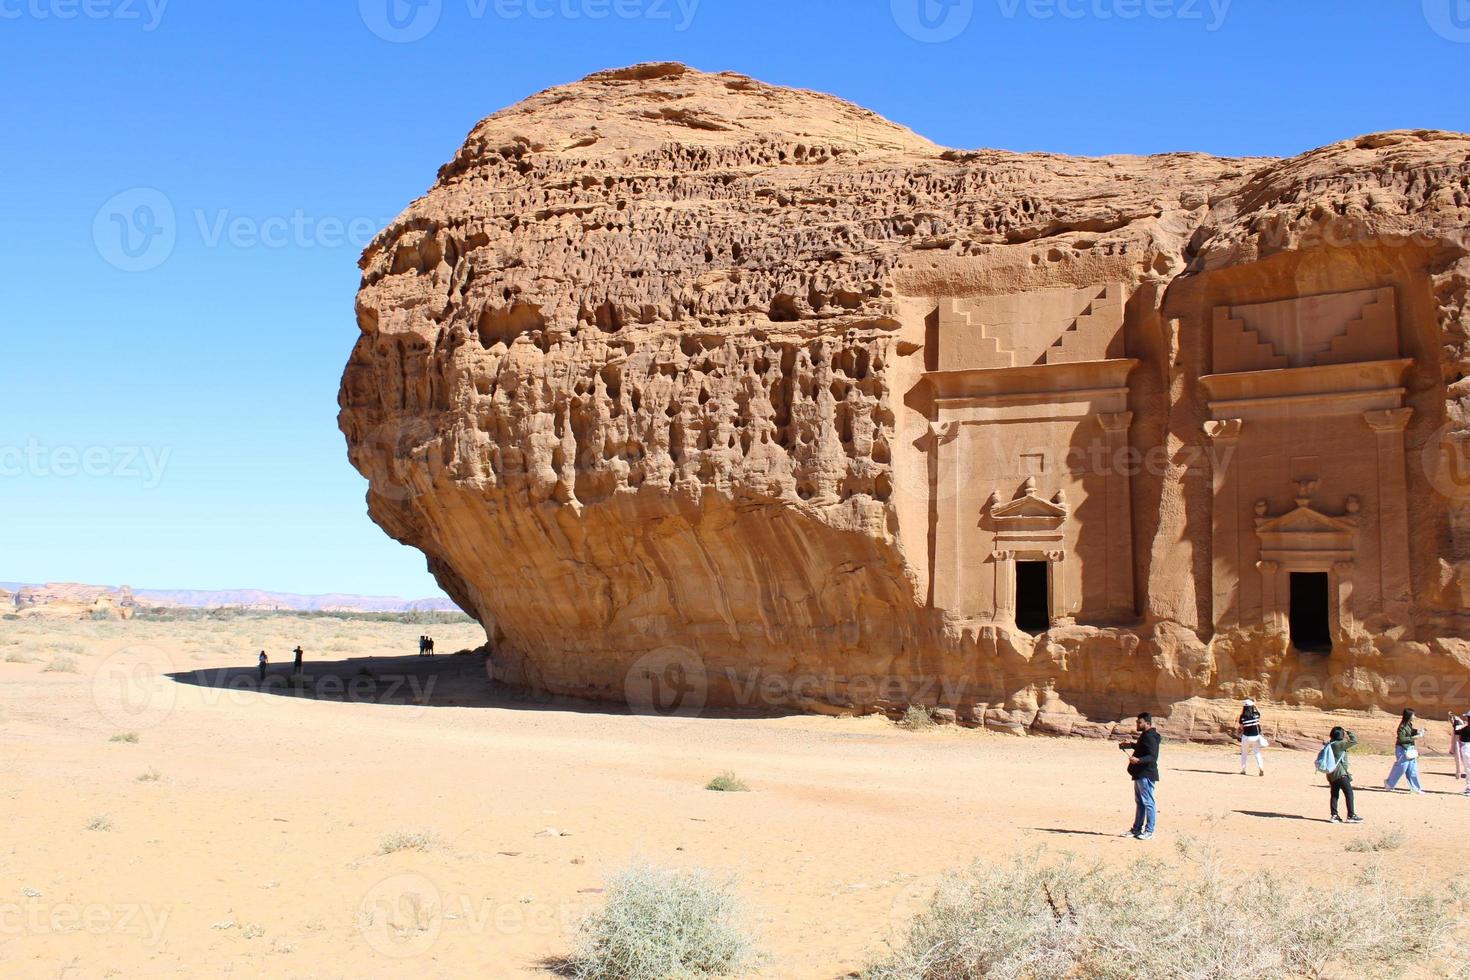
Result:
[{"x": 684, "y": 379}]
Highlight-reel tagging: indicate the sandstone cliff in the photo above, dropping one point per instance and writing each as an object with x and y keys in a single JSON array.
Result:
[{"x": 644, "y": 377}]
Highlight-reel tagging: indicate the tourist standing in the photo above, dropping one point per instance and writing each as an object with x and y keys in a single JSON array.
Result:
[
  {"x": 263, "y": 661},
  {"x": 1338, "y": 777},
  {"x": 1462, "y": 734},
  {"x": 1143, "y": 768},
  {"x": 1251, "y": 736},
  {"x": 1406, "y": 754},
  {"x": 299, "y": 654}
]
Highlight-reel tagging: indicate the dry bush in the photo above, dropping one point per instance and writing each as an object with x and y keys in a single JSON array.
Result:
[
  {"x": 1186, "y": 919},
  {"x": 1384, "y": 840},
  {"x": 916, "y": 719},
  {"x": 21, "y": 657},
  {"x": 404, "y": 840},
  {"x": 62, "y": 664},
  {"x": 661, "y": 923}
]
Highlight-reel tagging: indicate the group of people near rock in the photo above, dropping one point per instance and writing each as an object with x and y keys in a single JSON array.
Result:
[
  {"x": 426, "y": 646},
  {"x": 1332, "y": 762}
]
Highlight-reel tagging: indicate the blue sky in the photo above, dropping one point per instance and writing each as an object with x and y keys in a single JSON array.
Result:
[{"x": 170, "y": 416}]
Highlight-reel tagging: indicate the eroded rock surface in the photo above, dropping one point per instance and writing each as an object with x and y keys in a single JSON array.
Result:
[{"x": 660, "y": 372}]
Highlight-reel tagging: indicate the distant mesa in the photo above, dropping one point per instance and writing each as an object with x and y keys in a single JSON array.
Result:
[{"x": 72, "y": 600}]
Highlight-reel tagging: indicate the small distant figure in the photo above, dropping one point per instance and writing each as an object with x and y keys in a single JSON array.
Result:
[
  {"x": 423, "y": 645},
  {"x": 1251, "y": 736},
  {"x": 299, "y": 654},
  {"x": 1458, "y": 747},
  {"x": 430, "y": 641},
  {"x": 263, "y": 661},
  {"x": 1462, "y": 747},
  {"x": 1406, "y": 755},
  {"x": 1143, "y": 767},
  {"x": 1332, "y": 761}
]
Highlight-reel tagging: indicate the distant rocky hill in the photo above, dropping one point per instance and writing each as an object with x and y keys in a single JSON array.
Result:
[{"x": 26, "y": 595}]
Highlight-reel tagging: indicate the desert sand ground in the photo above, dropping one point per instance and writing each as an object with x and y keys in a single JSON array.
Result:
[{"x": 241, "y": 833}]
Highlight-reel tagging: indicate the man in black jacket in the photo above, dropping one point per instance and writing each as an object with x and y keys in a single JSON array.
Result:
[{"x": 1143, "y": 766}]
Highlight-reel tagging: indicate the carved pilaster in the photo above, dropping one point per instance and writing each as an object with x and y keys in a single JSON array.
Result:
[
  {"x": 1393, "y": 514},
  {"x": 1225, "y": 519},
  {"x": 1119, "y": 489}
]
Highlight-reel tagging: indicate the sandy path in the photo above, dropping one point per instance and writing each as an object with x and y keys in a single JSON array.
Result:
[{"x": 270, "y": 810}]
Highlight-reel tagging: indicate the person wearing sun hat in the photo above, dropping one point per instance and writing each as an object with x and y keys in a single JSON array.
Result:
[{"x": 1251, "y": 736}]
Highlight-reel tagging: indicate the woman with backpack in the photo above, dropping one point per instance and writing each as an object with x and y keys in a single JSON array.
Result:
[
  {"x": 1406, "y": 755},
  {"x": 1251, "y": 736},
  {"x": 1333, "y": 760}
]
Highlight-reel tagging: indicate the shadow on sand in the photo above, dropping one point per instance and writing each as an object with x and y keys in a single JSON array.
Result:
[{"x": 459, "y": 680}]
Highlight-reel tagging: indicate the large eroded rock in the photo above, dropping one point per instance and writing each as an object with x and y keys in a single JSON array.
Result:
[{"x": 653, "y": 376}]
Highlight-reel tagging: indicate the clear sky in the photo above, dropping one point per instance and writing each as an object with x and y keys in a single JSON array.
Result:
[{"x": 169, "y": 398}]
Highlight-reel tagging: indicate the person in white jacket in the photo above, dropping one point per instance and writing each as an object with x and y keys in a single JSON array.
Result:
[
  {"x": 1251, "y": 736},
  {"x": 1461, "y": 747}
]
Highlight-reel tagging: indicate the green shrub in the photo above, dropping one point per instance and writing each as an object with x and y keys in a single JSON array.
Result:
[
  {"x": 727, "y": 782},
  {"x": 660, "y": 923}
]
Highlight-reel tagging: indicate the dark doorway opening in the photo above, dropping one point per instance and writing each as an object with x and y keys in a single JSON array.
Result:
[
  {"x": 1310, "y": 632},
  {"x": 1033, "y": 605}
]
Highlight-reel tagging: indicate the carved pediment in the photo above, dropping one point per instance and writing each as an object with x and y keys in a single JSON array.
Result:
[
  {"x": 1028, "y": 512},
  {"x": 1306, "y": 529}
]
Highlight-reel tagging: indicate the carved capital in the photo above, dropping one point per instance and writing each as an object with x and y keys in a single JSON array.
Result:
[
  {"x": 1223, "y": 430},
  {"x": 1002, "y": 556},
  {"x": 1268, "y": 567},
  {"x": 1056, "y": 556},
  {"x": 1388, "y": 419},
  {"x": 1343, "y": 567},
  {"x": 1115, "y": 421}
]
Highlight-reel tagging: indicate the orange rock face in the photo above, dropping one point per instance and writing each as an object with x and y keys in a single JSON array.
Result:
[{"x": 687, "y": 383}]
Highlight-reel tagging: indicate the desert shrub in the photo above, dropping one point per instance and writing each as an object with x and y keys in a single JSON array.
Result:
[
  {"x": 404, "y": 840},
  {"x": 62, "y": 664},
  {"x": 150, "y": 776},
  {"x": 1035, "y": 919},
  {"x": 916, "y": 719},
  {"x": 101, "y": 822},
  {"x": 129, "y": 737},
  {"x": 663, "y": 923},
  {"x": 1384, "y": 840},
  {"x": 21, "y": 657},
  {"x": 727, "y": 782}
]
